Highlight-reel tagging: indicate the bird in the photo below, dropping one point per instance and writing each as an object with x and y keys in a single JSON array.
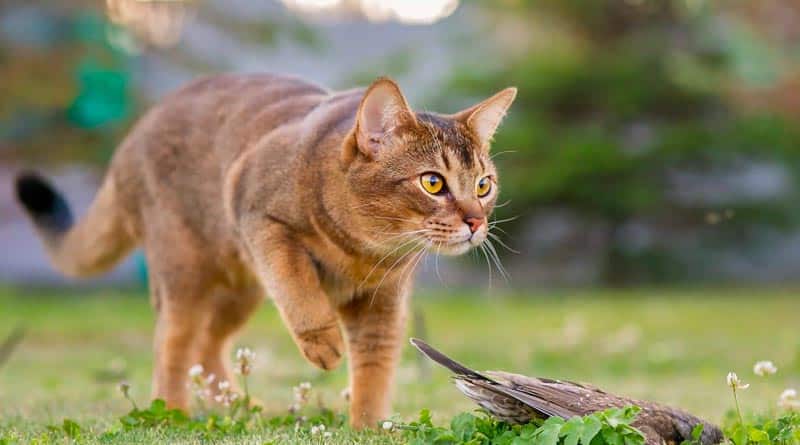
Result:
[{"x": 519, "y": 399}]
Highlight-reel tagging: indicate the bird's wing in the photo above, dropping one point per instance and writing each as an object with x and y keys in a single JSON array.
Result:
[
  {"x": 576, "y": 398},
  {"x": 545, "y": 407}
]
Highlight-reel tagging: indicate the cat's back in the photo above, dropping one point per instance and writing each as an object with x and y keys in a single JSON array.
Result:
[
  {"x": 228, "y": 113},
  {"x": 178, "y": 153},
  {"x": 232, "y": 109},
  {"x": 202, "y": 127}
]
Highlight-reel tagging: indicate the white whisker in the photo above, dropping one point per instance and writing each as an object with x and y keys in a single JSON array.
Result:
[
  {"x": 488, "y": 264},
  {"x": 436, "y": 262},
  {"x": 407, "y": 272},
  {"x": 498, "y": 221},
  {"x": 496, "y": 259},
  {"x": 500, "y": 229},
  {"x": 502, "y": 153},
  {"x": 500, "y": 241},
  {"x": 392, "y": 252},
  {"x": 386, "y": 274}
]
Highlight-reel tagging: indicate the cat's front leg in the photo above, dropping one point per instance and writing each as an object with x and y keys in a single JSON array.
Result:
[
  {"x": 375, "y": 329},
  {"x": 290, "y": 278}
]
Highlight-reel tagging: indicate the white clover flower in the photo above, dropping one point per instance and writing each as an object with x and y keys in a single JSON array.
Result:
[
  {"x": 226, "y": 396},
  {"x": 317, "y": 429},
  {"x": 327, "y": 434},
  {"x": 210, "y": 378},
  {"x": 764, "y": 367},
  {"x": 196, "y": 371},
  {"x": 387, "y": 425},
  {"x": 244, "y": 361},
  {"x": 789, "y": 400},
  {"x": 245, "y": 354},
  {"x": 198, "y": 385},
  {"x": 302, "y": 393},
  {"x": 734, "y": 382}
]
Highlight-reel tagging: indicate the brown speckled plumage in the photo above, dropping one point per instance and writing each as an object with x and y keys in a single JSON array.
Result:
[{"x": 517, "y": 398}]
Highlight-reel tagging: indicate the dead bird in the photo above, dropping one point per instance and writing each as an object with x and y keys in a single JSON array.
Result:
[{"x": 517, "y": 399}]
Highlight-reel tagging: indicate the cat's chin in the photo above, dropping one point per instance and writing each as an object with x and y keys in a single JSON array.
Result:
[{"x": 454, "y": 249}]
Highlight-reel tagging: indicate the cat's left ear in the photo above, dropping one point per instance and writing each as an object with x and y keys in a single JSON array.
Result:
[
  {"x": 484, "y": 118},
  {"x": 382, "y": 113}
]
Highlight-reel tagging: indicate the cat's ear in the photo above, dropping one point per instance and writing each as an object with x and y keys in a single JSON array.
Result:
[
  {"x": 484, "y": 118},
  {"x": 382, "y": 112}
]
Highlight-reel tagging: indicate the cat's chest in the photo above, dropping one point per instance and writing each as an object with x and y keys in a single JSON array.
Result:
[
  {"x": 339, "y": 288},
  {"x": 346, "y": 278},
  {"x": 344, "y": 274}
]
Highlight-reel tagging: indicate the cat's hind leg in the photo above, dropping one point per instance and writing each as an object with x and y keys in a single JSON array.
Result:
[
  {"x": 183, "y": 283},
  {"x": 229, "y": 311}
]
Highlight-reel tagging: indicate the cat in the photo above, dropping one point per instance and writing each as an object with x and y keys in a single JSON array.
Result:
[{"x": 245, "y": 186}]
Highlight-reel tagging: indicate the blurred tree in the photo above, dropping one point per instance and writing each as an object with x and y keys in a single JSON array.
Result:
[
  {"x": 69, "y": 70},
  {"x": 626, "y": 114}
]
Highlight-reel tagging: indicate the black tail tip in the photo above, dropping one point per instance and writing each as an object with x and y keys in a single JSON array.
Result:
[{"x": 44, "y": 204}]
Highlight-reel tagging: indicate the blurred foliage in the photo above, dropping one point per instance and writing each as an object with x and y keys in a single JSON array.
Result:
[
  {"x": 625, "y": 95},
  {"x": 627, "y": 109},
  {"x": 71, "y": 91},
  {"x": 72, "y": 98}
]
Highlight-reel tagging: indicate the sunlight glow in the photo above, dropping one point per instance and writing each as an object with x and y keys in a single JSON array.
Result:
[
  {"x": 418, "y": 12},
  {"x": 313, "y": 6},
  {"x": 158, "y": 23}
]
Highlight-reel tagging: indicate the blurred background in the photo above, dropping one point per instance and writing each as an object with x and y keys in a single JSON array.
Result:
[
  {"x": 652, "y": 142},
  {"x": 649, "y": 168}
]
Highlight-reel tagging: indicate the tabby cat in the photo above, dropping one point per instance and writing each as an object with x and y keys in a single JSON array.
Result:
[{"x": 241, "y": 186}]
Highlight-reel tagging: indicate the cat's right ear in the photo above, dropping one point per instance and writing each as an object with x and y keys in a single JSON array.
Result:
[{"x": 382, "y": 112}]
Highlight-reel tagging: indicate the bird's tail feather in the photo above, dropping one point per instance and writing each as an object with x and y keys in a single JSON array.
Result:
[
  {"x": 445, "y": 361},
  {"x": 544, "y": 407}
]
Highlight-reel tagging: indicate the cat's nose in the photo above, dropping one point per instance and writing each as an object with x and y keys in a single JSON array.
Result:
[{"x": 474, "y": 222}]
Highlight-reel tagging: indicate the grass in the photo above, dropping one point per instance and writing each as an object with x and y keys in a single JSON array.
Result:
[{"x": 671, "y": 346}]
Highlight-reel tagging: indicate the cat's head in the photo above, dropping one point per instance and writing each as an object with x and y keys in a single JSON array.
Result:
[{"x": 423, "y": 179}]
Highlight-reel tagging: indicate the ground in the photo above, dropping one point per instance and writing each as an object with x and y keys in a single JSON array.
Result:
[{"x": 673, "y": 346}]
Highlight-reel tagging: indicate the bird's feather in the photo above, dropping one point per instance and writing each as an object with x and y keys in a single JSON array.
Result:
[
  {"x": 447, "y": 362},
  {"x": 517, "y": 398}
]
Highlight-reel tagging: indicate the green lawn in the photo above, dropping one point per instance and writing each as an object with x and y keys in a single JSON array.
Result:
[{"x": 671, "y": 346}]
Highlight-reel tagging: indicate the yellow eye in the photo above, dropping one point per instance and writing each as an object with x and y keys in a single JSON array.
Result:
[
  {"x": 432, "y": 183},
  {"x": 484, "y": 186}
]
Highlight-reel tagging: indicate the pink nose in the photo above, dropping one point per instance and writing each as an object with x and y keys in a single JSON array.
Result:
[{"x": 474, "y": 223}]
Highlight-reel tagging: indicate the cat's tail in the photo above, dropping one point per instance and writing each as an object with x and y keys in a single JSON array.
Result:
[{"x": 88, "y": 247}]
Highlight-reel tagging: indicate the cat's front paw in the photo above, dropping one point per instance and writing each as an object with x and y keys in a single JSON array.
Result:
[{"x": 323, "y": 347}]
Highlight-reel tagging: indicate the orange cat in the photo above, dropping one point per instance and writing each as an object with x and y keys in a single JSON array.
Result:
[{"x": 241, "y": 186}]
